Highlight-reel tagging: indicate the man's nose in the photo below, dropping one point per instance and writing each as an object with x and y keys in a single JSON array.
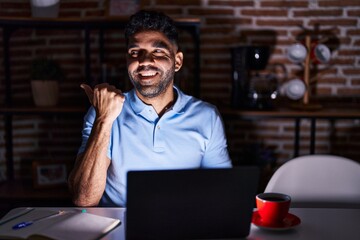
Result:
[{"x": 146, "y": 57}]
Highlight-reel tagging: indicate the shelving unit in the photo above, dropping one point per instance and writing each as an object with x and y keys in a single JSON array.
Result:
[
  {"x": 331, "y": 112},
  {"x": 15, "y": 192},
  {"x": 10, "y": 25}
]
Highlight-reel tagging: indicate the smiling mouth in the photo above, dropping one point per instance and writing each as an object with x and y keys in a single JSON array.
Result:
[
  {"x": 147, "y": 71},
  {"x": 147, "y": 74}
]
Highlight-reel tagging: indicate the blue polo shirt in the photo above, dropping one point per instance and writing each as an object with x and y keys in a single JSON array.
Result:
[{"x": 189, "y": 135}]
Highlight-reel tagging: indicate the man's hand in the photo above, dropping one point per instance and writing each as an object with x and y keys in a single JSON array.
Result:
[{"x": 107, "y": 100}]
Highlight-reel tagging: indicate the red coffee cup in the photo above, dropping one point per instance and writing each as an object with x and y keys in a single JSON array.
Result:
[
  {"x": 272, "y": 207},
  {"x": 320, "y": 53}
]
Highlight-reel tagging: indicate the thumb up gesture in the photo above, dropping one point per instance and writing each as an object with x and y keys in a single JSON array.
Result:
[{"x": 107, "y": 100}]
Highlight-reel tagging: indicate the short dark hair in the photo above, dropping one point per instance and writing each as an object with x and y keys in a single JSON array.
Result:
[{"x": 146, "y": 20}]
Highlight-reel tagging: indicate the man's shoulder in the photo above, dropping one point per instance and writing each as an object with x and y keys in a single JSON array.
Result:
[
  {"x": 194, "y": 101},
  {"x": 193, "y": 104}
]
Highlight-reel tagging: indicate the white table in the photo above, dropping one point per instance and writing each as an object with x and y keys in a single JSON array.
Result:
[{"x": 316, "y": 223}]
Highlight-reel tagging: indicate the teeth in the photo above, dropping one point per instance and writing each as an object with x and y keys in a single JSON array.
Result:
[{"x": 148, "y": 74}]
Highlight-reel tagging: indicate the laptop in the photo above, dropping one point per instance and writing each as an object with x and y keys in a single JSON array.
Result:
[{"x": 190, "y": 204}]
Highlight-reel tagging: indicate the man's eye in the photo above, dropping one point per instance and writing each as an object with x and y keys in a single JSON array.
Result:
[
  {"x": 133, "y": 53},
  {"x": 158, "y": 52}
]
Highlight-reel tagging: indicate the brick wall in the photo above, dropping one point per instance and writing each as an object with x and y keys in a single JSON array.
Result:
[{"x": 224, "y": 24}]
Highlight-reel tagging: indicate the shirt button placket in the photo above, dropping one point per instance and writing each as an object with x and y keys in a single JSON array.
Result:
[{"x": 158, "y": 139}]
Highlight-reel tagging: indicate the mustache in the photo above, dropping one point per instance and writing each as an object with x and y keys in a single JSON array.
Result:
[{"x": 146, "y": 68}]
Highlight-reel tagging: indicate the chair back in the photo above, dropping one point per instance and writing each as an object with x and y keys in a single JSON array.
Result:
[{"x": 318, "y": 181}]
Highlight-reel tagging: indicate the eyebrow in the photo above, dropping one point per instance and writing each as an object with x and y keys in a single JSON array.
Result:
[
  {"x": 156, "y": 44},
  {"x": 132, "y": 46},
  {"x": 160, "y": 44}
]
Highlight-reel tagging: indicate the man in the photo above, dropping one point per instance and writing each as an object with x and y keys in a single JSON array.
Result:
[{"x": 153, "y": 126}]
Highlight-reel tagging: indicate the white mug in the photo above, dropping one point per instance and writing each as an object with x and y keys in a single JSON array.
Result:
[
  {"x": 294, "y": 89},
  {"x": 297, "y": 53}
]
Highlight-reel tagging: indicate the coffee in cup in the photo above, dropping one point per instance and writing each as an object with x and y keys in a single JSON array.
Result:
[{"x": 272, "y": 207}]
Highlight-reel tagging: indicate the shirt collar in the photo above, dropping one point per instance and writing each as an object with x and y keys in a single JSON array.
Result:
[{"x": 139, "y": 106}]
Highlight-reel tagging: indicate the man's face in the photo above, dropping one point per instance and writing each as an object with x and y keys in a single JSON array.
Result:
[{"x": 152, "y": 61}]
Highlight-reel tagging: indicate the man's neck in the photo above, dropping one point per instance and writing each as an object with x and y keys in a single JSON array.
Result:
[{"x": 162, "y": 102}]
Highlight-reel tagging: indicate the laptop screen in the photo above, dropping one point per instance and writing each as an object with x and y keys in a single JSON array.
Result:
[{"x": 190, "y": 204}]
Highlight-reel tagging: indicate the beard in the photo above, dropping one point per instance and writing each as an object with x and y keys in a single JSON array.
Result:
[{"x": 151, "y": 91}]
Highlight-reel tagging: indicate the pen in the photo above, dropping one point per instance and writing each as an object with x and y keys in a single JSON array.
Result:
[
  {"x": 28, "y": 223},
  {"x": 19, "y": 214}
]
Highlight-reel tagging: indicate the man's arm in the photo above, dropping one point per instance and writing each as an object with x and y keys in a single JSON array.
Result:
[{"x": 88, "y": 179}]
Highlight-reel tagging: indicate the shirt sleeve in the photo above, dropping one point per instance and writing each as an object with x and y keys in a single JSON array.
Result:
[{"x": 216, "y": 153}]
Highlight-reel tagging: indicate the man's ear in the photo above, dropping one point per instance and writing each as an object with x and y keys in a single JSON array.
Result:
[{"x": 178, "y": 61}]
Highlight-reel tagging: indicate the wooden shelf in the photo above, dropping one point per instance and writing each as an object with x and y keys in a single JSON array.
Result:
[
  {"x": 24, "y": 191},
  {"x": 329, "y": 112},
  {"x": 43, "y": 110},
  {"x": 326, "y": 112}
]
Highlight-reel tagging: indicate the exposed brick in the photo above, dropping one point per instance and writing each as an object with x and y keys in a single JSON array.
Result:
[
  {"x": 68, "y": 41},
  {"x": 327, "y": 71},
  {"x": 334, "y": 22},
  {"x": 15, "y": 5},
  {"x": 348, "y": 91},
  {"x": 348, "y": 52},
  {"x": 223, "y": 24},
  {"x": 210, "y": 40},
  {"x": 355, "y": 82},
  {"x": 329, "y": 32},
  {"x": 231, "y": 21},
  {"x": 145, "y": 3},
  {"x": 353, "y": 13},
  {"x": 64, "y": 5},
  {"x": 57, "y": 32},
  {"x": 15, "y": 14},
  {"x": 351, "y": 71},
  {"x": 213, "y": 71},
  {"x": 305, "y": 149},
  {"x": 342, "y": 61},
  {"x": 211, "y": 50},
  {"x": 338, "y": 3},
  {"x": 284, "y": 4},
  {"x": 61, "y": 51},
  {"x": 279, "y": 23},
  {"x": 95, "y": 13},
  {"x": 178, "y": 2},
  {"x": 231, "y": 3},
  {"x": 171, "y": 11},
  {"x": 318, "y": 13},
  {"x": 210, "y": 11},
  {"x": 331, "y": 80},
  {"x": 216, "y": 30},
  {"x": 264, "y": 13},
  {"x": 325, "y": 91},
  {"x": 265, "y": 35}
]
